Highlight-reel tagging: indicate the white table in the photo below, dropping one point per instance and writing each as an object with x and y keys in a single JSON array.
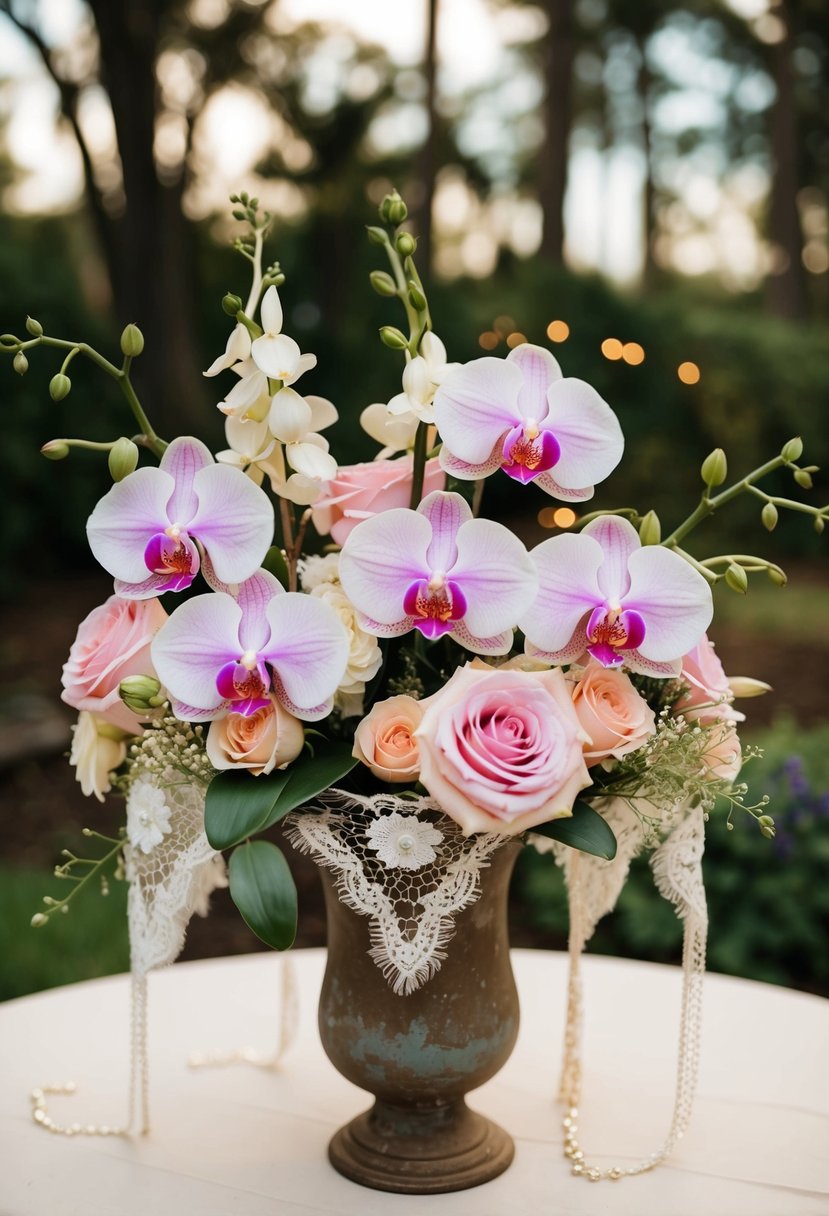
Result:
[{"x": 239, "y": 1141}]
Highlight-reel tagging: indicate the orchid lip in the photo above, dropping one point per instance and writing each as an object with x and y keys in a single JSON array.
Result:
[
  {"x": 528, "y": 451},
  {"x": 610, "y": 630},
  {"x": 435, "y": 605},
  {"x": 172, "y": 553},
  {"x": 244, "y": 685}
]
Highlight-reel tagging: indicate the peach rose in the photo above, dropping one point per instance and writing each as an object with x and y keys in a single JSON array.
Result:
[
  {"x": 709, "y": 693},
  {"x": 97, "y": 749},
  {"x": 261, "y": 742},
  {"x": 362, "y": 490},
  {"x": 501, "y": 750},
  {"x": 723, "y": 753},
  {"x": 611, "y": 711},
  {"x": 112, "y": 642},
  {"x": 385, "y": 739}
]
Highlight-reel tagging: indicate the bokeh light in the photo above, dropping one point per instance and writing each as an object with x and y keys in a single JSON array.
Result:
[
  {"x": 612, "y": 348},
  {"x": 488, "y": 340},
  {"x": 688, "y": 372},
  {"x": 516, "y": 339},
  {"x": 558, "y": 331},
  {"x": 557, "y": 517},
  {"x": 633, "y": 353},
  {"x": 503, "y": 325}
]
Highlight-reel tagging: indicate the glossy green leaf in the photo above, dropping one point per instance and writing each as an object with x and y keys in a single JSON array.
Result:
[
  {"x": 309, "y": 776},
  {"x": 238, "y": 805},
  {"x": 585, "y": 829},
  {"x": 263, "y": 890},
  {"x": 276, "y": 565}
]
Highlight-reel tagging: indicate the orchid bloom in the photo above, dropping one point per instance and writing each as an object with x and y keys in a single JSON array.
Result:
[
  {"x": 394, "y": 432},
  {"x": 421, "y": 378},
  {"x": 274, "y": 353},
  {"x": 236, "y": 351},
  {"x": 221, "y": 653},
  {"x": 250, "y": 396},
  {"x": 295, "y": 421},
  {"x": 146, "y": 530},
  {"x": 603, "y": 593},
  {"x": 518, "y": 414},
  {"x": 251, "y": 443},
  {"x": 438, "y": 570}
]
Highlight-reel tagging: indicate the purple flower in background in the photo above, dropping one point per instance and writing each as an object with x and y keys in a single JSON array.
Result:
[
  {"x": 603, "y": 594},
  {"x": 147, "y": 529},
  {"x": 438, "y": 570},
  {"x": 222, "y": 653},
  {"x": 518, "y": 414}
]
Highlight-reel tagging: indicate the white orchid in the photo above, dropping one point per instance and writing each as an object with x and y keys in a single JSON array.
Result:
[
  {"x": 251, "y": 443},
  {"x": 396, "y": 432},
  {"x": 422, "y": 377},
  {"x": 274, "y": 353},
  {"x": 294, "y": 421},
  {"x": 250, "y": 397},
  {"x": 236, "y": 351}
]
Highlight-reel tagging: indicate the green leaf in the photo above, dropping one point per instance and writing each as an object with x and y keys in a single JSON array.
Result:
[
  {"x": 276, "y": 565},
  {"x": 309, "y": 776},
  {"x": 585, "y": 829},
  {"x": 263, "y": 890}
]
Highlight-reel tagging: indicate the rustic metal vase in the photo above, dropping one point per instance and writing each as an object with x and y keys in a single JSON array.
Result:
[{"x": 421, "y": 1054}]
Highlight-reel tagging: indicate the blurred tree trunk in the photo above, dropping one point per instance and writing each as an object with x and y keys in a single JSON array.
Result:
[
  {"x": 557, "y": 114},
  {"x": 786, "y": 294},
  {"x": 427, "y": 161},
  {"x": 643, "y": 88}
]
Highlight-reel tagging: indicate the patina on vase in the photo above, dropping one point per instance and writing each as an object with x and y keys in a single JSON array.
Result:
[{"x": 421, "y": 1054}]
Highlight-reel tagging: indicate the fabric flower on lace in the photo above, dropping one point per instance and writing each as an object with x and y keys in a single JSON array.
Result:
[
  {"x": 148, "y": 816},
  {"x": 403, "y": 841}
]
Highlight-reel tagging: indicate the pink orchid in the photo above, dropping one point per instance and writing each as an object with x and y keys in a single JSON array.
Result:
[
  {"x": 438, "y": 570},
  {"x": 602, "y": 593},
  {"x": 146, "y": 531},
  {"x": 221, "y": 653},
  {"x": 518, "y": 414}
]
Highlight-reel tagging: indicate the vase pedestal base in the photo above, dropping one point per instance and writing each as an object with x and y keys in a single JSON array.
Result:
[{"x": 421, "y": 1151}]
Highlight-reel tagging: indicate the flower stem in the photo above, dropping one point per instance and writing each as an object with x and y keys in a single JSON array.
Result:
[
  {"x": 419, "y": 463},
  {"x": 708, "y": 505}
]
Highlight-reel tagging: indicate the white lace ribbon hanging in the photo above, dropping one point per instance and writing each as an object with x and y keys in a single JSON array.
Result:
[
  {"x": 593, "y": 887},
  {"x": 403, "y": 864}
]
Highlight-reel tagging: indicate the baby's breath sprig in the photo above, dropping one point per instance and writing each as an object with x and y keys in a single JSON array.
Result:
[
  {"x": 168, "y": 744},
  {"x": 80, "y": 871}
]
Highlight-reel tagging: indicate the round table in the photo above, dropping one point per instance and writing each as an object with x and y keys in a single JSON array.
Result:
[{"x": 243, "y": 1141}]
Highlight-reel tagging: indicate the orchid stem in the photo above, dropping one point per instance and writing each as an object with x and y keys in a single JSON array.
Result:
[
  {"x": 708, "y": 505},
  {"x": 419, "y": 463}
]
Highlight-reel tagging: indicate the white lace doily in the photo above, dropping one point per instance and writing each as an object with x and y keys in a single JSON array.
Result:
[{"x": 403, "y": 864}]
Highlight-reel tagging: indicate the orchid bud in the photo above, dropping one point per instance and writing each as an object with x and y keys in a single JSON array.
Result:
[
  {"x": 650, "y": 529},
  {"x": 769, "y": 516},
  {"x": 383, "y": 283},
  {"x": 777, "y": 576},
  {"x": 123, "y": 458},
  {"x": 20, "y": 363},
  {"x": 392, "y": 338},
  {"x": 793, "y": 450},
  {"x": 55, "y": 449},
  {"x": 59, "y": 387},
  {"x": 376, "y": 235},
  {"x": 33, "y": 327},
  {"x": 416, "y": 297},
  {"x": 737, "y": 579},
  {"x": 393, "y": 210},
  {"x": 714, "y": 468},
  {"x": 803, "y": 479},
  {"x": 820, "y": 524},
  {"x": 38, "y": 920},
  {"x": 745, "y": 686},
  {"x": 141, "y": 694},
  {"x": 405, "y": 244},
  {"x": 231, "y": 304},
  {"x": 132, "y": 341}
]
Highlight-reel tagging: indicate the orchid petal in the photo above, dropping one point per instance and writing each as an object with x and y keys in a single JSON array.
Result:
[
  {"x": 249, "y": 439},
  {"x": 476, "y": 405},
  {"x": 312, "y": 713},
  {"x": 470, "y": 472},
  {"x": 253, "y": 597},
  {"x": 401, "y": 407},
  {"x": 433, "y": 351},
  {"x": 497, "y": 575},
  {"x": 379, "y": 629},
  {"x": 588, "y": 431},
  {"x": 270, "y": 311},
  {"x": 290, "y": 416},
  {"x": 500, "y": 643},
  {"x": 234, "y": 522},
  {"x": 190, "y": 649},
  {"x": 539, "y": 370},
  {"x": 394, "y": 432},
  {"x": 308, "y": 648},
  {"x": 303, "y": 364},
  {"x": 311, "y": 461},
  {"x": 147, "y": 589},
  {"x": 619, "y": 541},
  {"x": 302, "y": 490},
  {"x": 547, "y": 483},
  {"x": 237, "y": 349},
  {"x": 183, "y": 459},
  {"x": 380, "y": 559},
  {"x": 634, "y": 660},
  {"x": 674, "y": 600},
  {"x": 445, "y": 512},
  {"x": 417, "y": 383},
  {"x": 276, "y": 355},
  {"x": 568, "y": 589},
  {"x": 126, "y": 517},
  {"x": 244, "y": 395},
  {"x": 323, "y": 412},
  {"x": 570, "y": 652},
  {"x": 191, "y": 713}
]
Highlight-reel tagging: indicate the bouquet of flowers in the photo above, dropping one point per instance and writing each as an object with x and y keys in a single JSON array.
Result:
[{"x": 431, "y": 684}]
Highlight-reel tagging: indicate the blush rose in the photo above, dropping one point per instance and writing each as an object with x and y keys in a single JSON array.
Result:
[
  {"x": 616, "y": 718},
  {"x": 385, "y": 739},
  {"x": 361, "y": 490},
  {"x": 261, "y": 742},
  {"x": 709, "y": 694},
  {"x": 501, "y": 750},
  {"x": 112, "y": 642}
]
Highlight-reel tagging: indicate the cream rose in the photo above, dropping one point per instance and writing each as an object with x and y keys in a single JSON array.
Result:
[
  {"x": 365, "y": 657},
  {"x": 611, "y": 711},
  {"x": 267, "y": 739},
  {"x": 385, "y": 739},
  {"x": 97, "y": 749}
]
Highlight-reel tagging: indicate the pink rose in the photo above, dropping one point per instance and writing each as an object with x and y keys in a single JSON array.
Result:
[
  {"x": 261, "y": 742},
  {"x": 113, "y": 642},
  {"x": 709, "y": 694},
  {"x": 385, "y": 740},
  {"x": 611, "y": 711},
  {"x": 723, "y": 753},
  {"x": 501, "y": 750},
  {"x": 362, "y": 490}
]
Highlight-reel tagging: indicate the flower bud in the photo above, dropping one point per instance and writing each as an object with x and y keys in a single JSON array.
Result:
[
  {"x": 123, "y": 458},
  {"x": 737, "y": 579},
  {"x": 38, "y": 920},
  {"x": 231, "y": 304},
  {"x": 792, "y": 450},
  {"x": 20, "y": 363},
  {"x": 141, "y": 694},
  {"x": 803, "y": 479},
  {"x": 416, "y": 297},
  {"x": 59, "y": 387},
  {"x": 769, "y": 516},
  {"x": 714, "y": 468},
  {"x": 55, "y": 449},
  {"x": 767, "y": 829},
  {"x": 392, "y": 338},
  {"x": 745, "y": 686},
  {"x": 376, "y": 235},
  {"x": 650, "y": 529},
  {"x": 393, "y": 210},
  {"x": 132, "y": 341},
  {"x": 382, "y": 283},
  {"x": 777, "y": 576},
  {"x": 820, "y": 524},
  {"x": 766, "y": 821},
  {"x": 33, "y": 327},
  {"x": 405, "y": 244}
]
